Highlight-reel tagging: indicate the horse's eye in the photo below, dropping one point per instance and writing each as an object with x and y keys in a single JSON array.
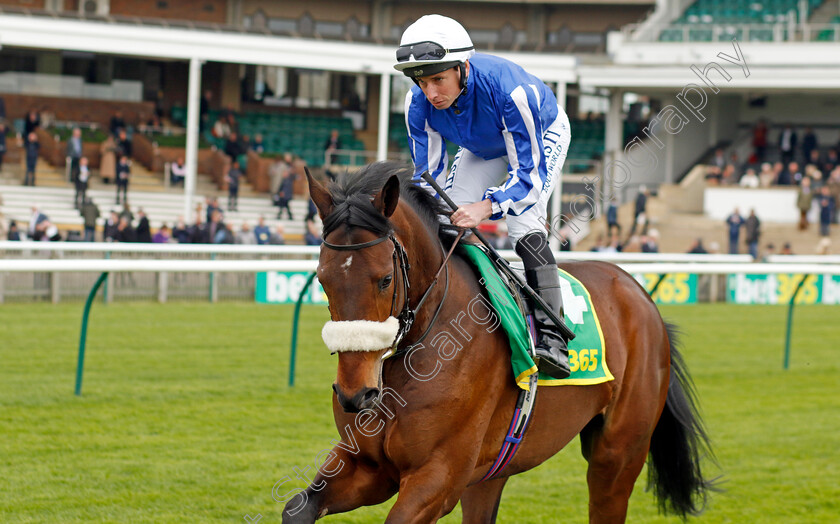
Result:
[{"x": 385, "y": 282}]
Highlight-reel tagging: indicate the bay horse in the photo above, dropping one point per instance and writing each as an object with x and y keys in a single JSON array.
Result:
[{"x": 428, "y": 421}]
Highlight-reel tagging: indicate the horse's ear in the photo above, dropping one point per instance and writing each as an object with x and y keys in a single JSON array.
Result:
[
  {"x": 320, "y": 195},
  {"x": 386, "y": 200}
]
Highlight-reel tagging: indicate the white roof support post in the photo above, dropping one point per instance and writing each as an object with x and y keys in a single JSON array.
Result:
[
  {"x": 384, "y": 116},
  {"x": 191, "y": 160},
  {"x": 613, "y": 140}
]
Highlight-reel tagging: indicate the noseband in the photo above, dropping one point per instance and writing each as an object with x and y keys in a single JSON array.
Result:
[{"x": 408, "y": 314}]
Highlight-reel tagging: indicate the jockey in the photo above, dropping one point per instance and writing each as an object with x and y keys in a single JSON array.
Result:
[{"x": 512, "y": 137}]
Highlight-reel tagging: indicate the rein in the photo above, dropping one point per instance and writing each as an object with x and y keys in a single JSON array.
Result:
[{"x": 407, "y": 315}]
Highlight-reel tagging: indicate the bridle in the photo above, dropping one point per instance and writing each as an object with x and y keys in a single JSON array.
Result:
[{"x": 407, "y": 314}]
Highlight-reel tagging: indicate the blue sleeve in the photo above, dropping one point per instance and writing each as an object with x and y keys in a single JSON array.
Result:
[
  {"x": 427, "y": 146},
  {"x": 523, "y": 141}
]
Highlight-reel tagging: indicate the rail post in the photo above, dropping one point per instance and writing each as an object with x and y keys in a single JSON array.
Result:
[
  {"x": 295, "y": 320},
  {"x": 80, "y": 365},
  {"x": 789, "y": 329}
]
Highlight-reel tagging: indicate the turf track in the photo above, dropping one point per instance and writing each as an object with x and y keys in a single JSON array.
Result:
[{"x": 186, "y": 416}]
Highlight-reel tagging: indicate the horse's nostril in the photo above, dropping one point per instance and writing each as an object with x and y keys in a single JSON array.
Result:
[
  {"x": 368, "y": 398},
  {"x": 371, "y": 395}
]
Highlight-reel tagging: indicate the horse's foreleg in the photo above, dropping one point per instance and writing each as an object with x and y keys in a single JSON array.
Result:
[
  {"x": 480, "y": 503},
  {"x": 344, "y": 483},
  {"x": 428, "y": 493}
]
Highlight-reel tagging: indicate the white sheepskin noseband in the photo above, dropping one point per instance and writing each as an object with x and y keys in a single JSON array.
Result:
[{"x": 359, "y": 335}]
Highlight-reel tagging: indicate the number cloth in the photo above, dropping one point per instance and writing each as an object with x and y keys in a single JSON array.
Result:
[{"x": 586, "y": 351}]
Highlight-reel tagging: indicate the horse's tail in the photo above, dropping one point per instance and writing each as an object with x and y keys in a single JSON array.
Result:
[{"x": 678, "y": 443}]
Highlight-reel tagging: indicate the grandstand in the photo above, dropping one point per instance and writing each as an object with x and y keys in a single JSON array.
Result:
[{"x": 616, "y": 67}]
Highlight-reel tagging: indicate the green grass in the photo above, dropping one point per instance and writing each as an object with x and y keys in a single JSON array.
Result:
[{"x": 186, "y": 416}]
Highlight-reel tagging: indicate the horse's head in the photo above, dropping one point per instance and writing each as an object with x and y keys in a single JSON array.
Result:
[{"x": 363, "y": 271}]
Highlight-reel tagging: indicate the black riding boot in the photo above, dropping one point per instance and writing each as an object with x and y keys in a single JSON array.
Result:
[{"x": 552, "y": 353}]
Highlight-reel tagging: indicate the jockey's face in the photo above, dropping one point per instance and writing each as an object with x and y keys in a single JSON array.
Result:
[{"x": 443, "y": 88}]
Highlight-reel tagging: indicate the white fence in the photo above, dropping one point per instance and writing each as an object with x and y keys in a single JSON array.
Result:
[{"x": 68, "y": 270}]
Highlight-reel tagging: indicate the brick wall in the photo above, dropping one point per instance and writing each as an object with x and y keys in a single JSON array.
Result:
[
  {"x": 27, "y": 4},
  {"x": 213, "y": 11},
  {"x": 76, "y": 109}
]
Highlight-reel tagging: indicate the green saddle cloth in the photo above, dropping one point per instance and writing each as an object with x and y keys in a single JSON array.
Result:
[{"x": 586, "y": 352}]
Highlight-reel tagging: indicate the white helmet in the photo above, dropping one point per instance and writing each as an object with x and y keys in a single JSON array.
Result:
[{"x": 433, "y": 44}]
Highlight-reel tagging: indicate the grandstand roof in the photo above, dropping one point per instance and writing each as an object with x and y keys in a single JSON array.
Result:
[{"x": 218, "y": 44}]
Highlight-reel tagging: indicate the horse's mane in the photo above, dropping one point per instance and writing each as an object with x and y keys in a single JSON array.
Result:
[{"x": 352, "y": 197}]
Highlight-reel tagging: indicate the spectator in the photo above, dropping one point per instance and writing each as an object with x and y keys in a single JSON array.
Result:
[
  {"x": 177, "y": 172},
  {"x": 285, "y": 194},
  {"x": 750, "y": 179},
  {"x": 125, "y": 233},
  {"x": 759, "y": 141},
  {"x": 612, "y": 217},
  {"x": 824, "y": 246},
  {"x": 212, "y": 206},
  {"x": 32, "y": 147},
  {"x": 827, "y": 205},
  {"x": 697, "y": 247},
  {"x": 733, "y": 170},
  {"x": 814, "y": 174},
  {"x": 233, "y": 176},
  {"x": 162, "y": 235},
  {"x": 82, "y": 181},
  {"x": 143, "y": 230},
  {"x": 126, "y": 212},
  {"x": 312, "y": 237},
  {"x": 30, "y": 124},
  {"x": 51, "y": 233},
  {"x": 803, "y": 202},
  {"x": 769, "y": 250},
  {"x": 277, "y": 238},
  {"x": 262, "y": 234},
  {"x": 233, "y": 147},
  {"x": 180, "y": 232},
  {"x": 714, "y": 173},
  {"x": 735, "y": 222},
  {"x": 312, "y": 210},
  {"x": 277, "y": 172},
  {"x": 36, "y": 224},
  {"x": 332, "y": 145},
  {"x": 814, "y": 159},
  {"x": 90, "y": 213},
  {"x": 117, "y": 123},
  {"x": 204, "y": 110},
  {"x": 123, "y": 177},
  {"x": 215, "y": 231},
  {"x": 2, "y": 143},
  {"x": 787, "y": 144},
  {"x": 123, "y": 144},
  {"x": 245, "y": 236},
  {"x": 833, "y": 184},
  {"x": 639, "y": 213},
  {"x": 221, "y": 129},
  {"x": 831, "y": 161},
  {"x": 197, "y": 231},
  {"x": 786, "y": 249},
  {"x": 767, "y": 177},
  {"x": 74, "y": 152},
  {"x": 650, "y": 242},
  {"x": 13, "y": 233},
  {"x": 753, "y": 233},
  {"x": 257, "y": 145},
  {"x": 781, "y": 175},
  {"x": 795, "y": 173},
  {"x": 112, "y": 227},
  {"x": 809, "y": 144}
]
